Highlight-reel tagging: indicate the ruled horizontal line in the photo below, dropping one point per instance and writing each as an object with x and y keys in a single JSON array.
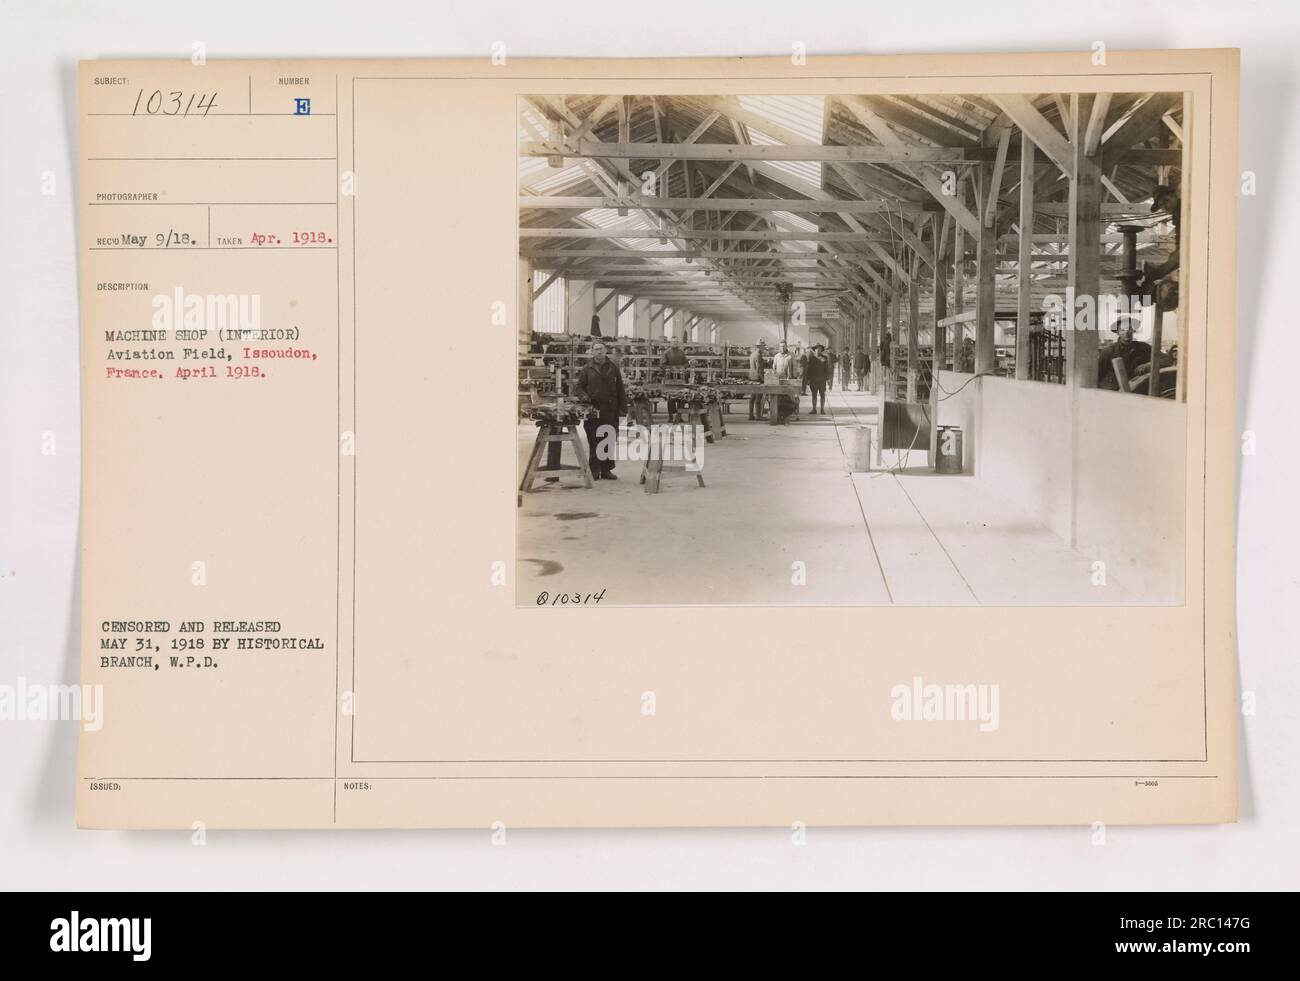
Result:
[
  {"x": 156, "y": 159},
  {"x": 211, "y": 115},
  {"x": 218, "y": 248},
  {"x": 731, "y": 776},
  {"x": 213, "y": 204}
]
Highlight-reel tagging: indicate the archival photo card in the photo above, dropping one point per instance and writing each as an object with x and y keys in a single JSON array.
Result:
[{"x": 641, "y": 443}]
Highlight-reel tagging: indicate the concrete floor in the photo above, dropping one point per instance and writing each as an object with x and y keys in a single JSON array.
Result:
[{"x": 780, "y": 495}]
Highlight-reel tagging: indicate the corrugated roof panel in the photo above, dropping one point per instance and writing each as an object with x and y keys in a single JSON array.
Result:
[
  {"x": 532, "y": 124},
  {"x": 531, "y": 168},
  {"x": 634, "y": 221},
  {"x": 803, "y": 169},
  {"x": 609, "y": 217},
  {"x": 795, "y": 222},
  {"x": 564, "y": 177},
  {"x": 801, "y": 114},
  {"x": 644, "y": 245}
]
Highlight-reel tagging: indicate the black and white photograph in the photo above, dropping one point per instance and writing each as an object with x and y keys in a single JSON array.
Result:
[
  {"x": 900, "y": 498},
  {"x": 864, "y": 350}
]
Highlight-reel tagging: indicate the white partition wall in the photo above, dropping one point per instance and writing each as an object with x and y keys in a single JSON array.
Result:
[{"x": 1101, "y": 469}]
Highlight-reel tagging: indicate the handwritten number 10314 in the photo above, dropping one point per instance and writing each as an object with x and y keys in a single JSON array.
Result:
[
  {"x": 159, "y": 103},
  {"x": 569, "y": 599}
]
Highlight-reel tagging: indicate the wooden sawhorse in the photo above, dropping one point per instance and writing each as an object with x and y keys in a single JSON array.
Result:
[
  {"x": 548, "y": 434},
  {"x": 709, "y": 416},
  {"x": 713, "y": 414},
  {"x": 705, "y": 415},
  {"x": 653, "y": 472}
]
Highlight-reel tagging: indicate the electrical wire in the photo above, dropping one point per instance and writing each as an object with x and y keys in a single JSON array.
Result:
[{"x": 934, "y": 380}]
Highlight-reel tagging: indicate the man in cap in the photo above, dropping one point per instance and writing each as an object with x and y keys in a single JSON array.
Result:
[
  {"x": 817, "y": 374},
  {"x": 600, "y": 384}
]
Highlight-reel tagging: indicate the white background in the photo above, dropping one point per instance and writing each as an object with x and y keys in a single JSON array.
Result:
[{"x": 40, "y": 44}]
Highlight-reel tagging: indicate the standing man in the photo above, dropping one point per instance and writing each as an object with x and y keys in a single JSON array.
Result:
[
  {"x": 846, "y": 369},
  {"x": 674, "y": 370},
  {"x": 786, "y": 366},
  {"x": 756, "y": 375},
  {"x": 600, "y": 384},
  {"x": 861, "y": 367},
  {"x": 830, "y": 369},
  {"x": 967, "y": 355},
  {"x": 783, "y": 362},
  {"x": 816, "y": 375},
  {"x": 802, "y": 357}
]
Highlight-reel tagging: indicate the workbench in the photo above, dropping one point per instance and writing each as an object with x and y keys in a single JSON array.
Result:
[{"x": 790, "y": 388}]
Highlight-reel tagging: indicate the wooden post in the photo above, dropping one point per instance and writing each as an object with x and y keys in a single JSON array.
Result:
[
  {"x": 940, "y": 303},
  {"x": 913, "y": 327},
  {"x": 958, "y": 287},
  {"x": 985, "y": 286},
  {"x": 878, "y": 325},
  {"x": 858, "y": 314},
  {"x": 868, "y": 318},
  {"x": 1024, "y": 268},
  {"x": 940, "y": 343},
  {"x": 624, "y": 135},
  {"x": 524, "y": 306},
  {"x": 885, "y": 300},
  {"x": 958, "y": 274},
  {"x": 859, "y": 325},
  {"x": 895, "y": 330},
  {"x": 1083, "y": 278}
]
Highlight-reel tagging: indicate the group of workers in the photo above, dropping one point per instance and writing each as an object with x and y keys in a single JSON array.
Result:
[
  {"x": 599, "y": 384},
  {"x": 814, "y": 368}
]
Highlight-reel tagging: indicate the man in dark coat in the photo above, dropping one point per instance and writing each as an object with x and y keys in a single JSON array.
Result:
[
  {"x": 600, "y": 384},
  {"x": 816, "y": 374},
  {"x": 861, "y": 367},
  {"x": 756, "y": 356},
  {"x": 1134, "y": 354}
]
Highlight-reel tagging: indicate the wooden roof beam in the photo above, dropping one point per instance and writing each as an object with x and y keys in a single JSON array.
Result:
[
  {"x": 1045, "y": 136},
  {"x": 828, "y": 204},
  {"x": 1096, "y": 123},
  {"x": 691, "y": 150},
  {"x": 929, "y": 180}
]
